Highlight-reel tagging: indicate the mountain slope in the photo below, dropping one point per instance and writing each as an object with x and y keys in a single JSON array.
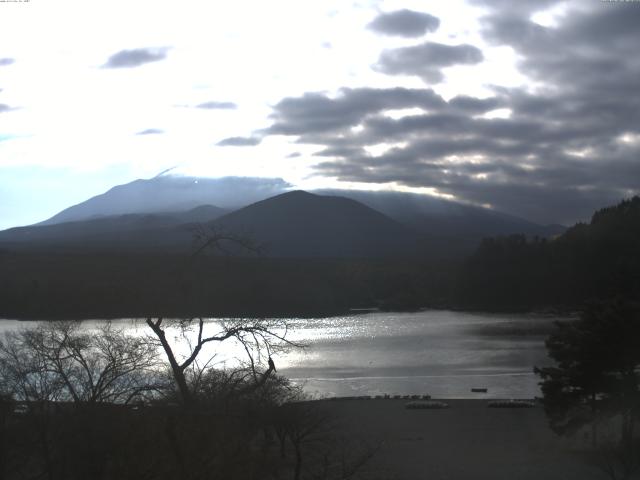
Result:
[
  {"x": 428, "y": 214},
  {"x": 171, "y": 194},
  {"x": 442, "y": 217},
  {"x": 294, "y": 224},
  {"x": 451, "y": 229},
  {"x": 301, "y": 224},
  {"x": 117, "y": 232}
]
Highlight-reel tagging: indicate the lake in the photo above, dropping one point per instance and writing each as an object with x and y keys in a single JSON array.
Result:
[{"x": 441, "y": 353}]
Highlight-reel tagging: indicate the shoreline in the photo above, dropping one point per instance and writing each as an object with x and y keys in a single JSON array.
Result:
[{"x": 567, "y": 314}]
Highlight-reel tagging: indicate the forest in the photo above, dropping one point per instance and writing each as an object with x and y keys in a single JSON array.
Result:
[{"x": 596, "y": 260}]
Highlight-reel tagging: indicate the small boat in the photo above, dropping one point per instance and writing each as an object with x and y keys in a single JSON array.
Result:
[{"x": 479, "y": 390}]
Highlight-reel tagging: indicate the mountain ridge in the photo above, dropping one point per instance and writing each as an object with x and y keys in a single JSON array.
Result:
[
  {"x": 171, "y": 194},
  {"x": 161, "y": 210},
  {"x": 292, "y": 224}
]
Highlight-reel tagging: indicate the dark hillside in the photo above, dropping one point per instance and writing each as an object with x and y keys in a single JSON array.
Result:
[
  {"x": 146, "y": 232},
  {"x": 301, "y": 224},
  {"x": 119, "y": 285},
  {"x": 596, "y": 260}
]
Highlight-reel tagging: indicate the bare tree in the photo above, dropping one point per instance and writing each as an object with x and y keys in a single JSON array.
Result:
[
  {"x": 258, "y": 338},
  {"x": 59, "y": 361},
  {"x": 24, "y": 372}
]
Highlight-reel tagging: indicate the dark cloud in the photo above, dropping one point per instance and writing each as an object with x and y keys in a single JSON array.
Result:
[
  {"x": 404, "y": 23},
  {"x": 135, "y": 57},
  {"x": 150, "y": 131},
  {"x": 341, "y": 151},
  {"x": 294, "y": 155},
  {"x": 427, "y": 60},
  {"x": 6, "y": 61},
  {"x": 318, "y": 113},
  {"x": 239, "y": 142},
  {"x": 521, "y": 7},
  {"x": 592, "y": 51},
  {"x": 566, "y": 149},
  {"x": 476, "y": 105},
  {"x": 217, "y": 106},
  {"x": 5, "y": 108}
]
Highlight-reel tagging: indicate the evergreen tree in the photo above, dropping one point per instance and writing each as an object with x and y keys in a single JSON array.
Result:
[{"x": 597, "y": 371}]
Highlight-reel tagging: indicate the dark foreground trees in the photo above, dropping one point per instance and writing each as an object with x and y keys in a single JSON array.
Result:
[
  {"x": 78, "y": 403},
  {"x": 59, "y": 361},
  {"x": 596, "y": 379}
]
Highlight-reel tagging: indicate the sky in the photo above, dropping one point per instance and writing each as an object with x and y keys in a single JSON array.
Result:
[{"x": 530, "y": 108}]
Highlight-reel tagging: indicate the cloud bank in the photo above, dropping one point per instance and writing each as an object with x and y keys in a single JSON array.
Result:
[
  {"x": 569, "y": 147},
  {"x": 427, "y": 60}
]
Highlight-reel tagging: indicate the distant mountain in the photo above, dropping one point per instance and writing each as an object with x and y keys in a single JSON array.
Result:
[
  {"x": 124, "y": 232},
  {"x": 129, "y": 214},
  {"x": 301, "y": 224},
  {"x": 294, "y": 224},
  {"x": 171, "y": 193},
  {"x": 426, "y": 213},
  {"x": 445, "y": 218},
  {"x": 200, "y": 214}
]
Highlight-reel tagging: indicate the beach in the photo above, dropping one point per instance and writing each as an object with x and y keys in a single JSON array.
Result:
[{"x": 467, "y": 440}]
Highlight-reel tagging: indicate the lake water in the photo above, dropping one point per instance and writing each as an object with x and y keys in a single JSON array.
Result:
[{"x": 441, "y": 353}]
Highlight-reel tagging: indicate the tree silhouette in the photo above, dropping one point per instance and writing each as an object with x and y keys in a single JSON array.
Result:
[
  {"x": 598, "y": 260},
  {"x": 597, "y": 371},
  {"x": 257, "y": 337}
]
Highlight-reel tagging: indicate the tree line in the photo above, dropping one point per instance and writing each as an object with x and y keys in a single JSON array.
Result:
[{"x": 599, "y": 260}]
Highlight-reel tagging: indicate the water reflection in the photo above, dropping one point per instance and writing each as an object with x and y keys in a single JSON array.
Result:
[{"x": 441, "y": 353}]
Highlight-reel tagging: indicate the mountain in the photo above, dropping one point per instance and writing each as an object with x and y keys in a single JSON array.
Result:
[
  {"x": 460, "y": 227},
  {"x": 293, "y": 224},
  {"x": 171, "y": 193},
  {"x": 125, "y": 232},
  {"x": 301, "y": 224},
  {"x": 445, "y": 218},
  {"x": 163, "y": 207},
  {"x": 200, "y": 214}
]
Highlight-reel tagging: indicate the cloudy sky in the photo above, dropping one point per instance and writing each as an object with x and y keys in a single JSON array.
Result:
[{"x": 531, "y": 108}]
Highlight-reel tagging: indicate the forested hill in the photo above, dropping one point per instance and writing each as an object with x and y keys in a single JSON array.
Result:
[{"x": 600, "y": 259}]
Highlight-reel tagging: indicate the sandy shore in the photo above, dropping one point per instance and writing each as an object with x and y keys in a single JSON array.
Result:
[{"x": 468, "y": 440}]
